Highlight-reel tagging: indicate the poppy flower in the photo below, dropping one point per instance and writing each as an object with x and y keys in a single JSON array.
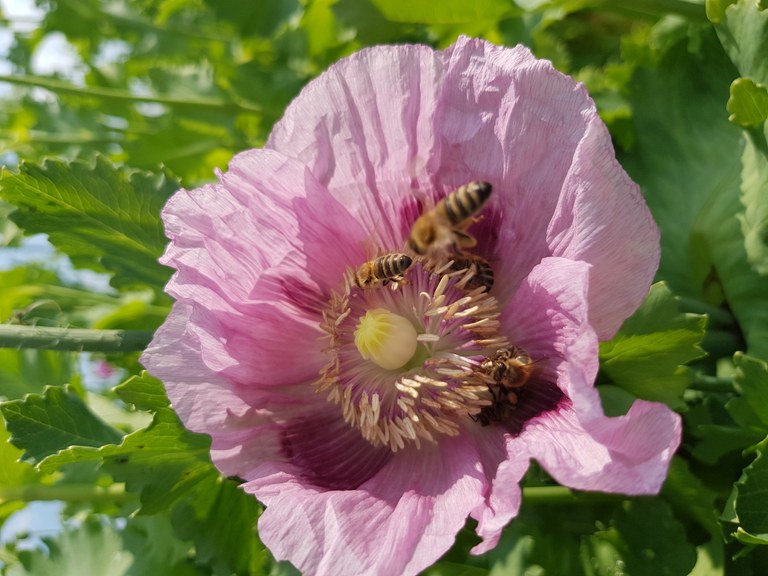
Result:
[{"x": 371, "y": 419}]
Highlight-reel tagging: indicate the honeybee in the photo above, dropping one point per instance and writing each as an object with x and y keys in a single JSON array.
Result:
[
  {"x": 482, "y": 273},
  {"x": 387, "y": 268},
  {"x": 444, "y": 227},
  {"x": 510, "y": 369}
]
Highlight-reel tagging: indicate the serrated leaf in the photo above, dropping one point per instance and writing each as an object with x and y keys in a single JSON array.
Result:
[
  {"x": 95, "y": 548},
  {"x": 750, "y": 408},
  {"x": 44, "y": 424},
  {"x": 748, "y": 103},
  {"x": 646, "y": 355},
  {"x": 649, "y": 540},
  {"x": 29, "y": 371},
  {"x": 750, "y": 504},
  {"x": 687, "y": 159},
  {"x": 103, "y": 217},
  {"x": 163, "y": 461},
  {"x": 171, "y": 468},
  {"x": 143, "y": 391},
  {"x": 221, "y": 520}
]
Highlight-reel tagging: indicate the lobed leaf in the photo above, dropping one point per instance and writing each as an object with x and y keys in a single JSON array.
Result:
[
  {"x": 646, "y": 356},
  {"x": 743, "y": 31},
  {"x": 44, "y": 424},
  {"x": 748, "y": 103},
  {"x": 171, "y": 469},
  {"x": 649, "y": 540},
  {"x": 750, "y": 408},
  {"x": 103, "y": 217},
  {"x": 687, "y": 160},
  {"x": 143, "y": 391},
  {"x": 750, "y": 504}
]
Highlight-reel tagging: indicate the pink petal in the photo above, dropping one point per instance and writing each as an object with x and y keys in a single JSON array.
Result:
[
  {"x": 629, "y": 454},
  {"x": 370, "y": 141},
  {"x": 601, "y": 218},
  {"x": 201, "y": 398},
  {"x": 399, "y": 522}
]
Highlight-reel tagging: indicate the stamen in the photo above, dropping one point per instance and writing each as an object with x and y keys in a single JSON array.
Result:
[{"x": 404, "y": 364}]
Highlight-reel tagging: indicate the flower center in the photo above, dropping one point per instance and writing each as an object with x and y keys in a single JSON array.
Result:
[
  {"x": 386, "y": 338},
  {"x": 404, "y": 358}
]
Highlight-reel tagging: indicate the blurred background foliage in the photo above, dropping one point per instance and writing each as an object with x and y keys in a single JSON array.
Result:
[{"x": 108, "y": 106}]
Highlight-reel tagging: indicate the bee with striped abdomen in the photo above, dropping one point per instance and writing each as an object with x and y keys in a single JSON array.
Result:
[
  {"x": 387, "y": 268},
  {"x": 509, "y": 369},
  {"x": 444, "y": 227},
  {"x": 480, "y": 269}
]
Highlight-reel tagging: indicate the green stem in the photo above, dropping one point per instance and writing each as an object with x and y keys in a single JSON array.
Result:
[
  {"x": 658, "y": 8},
  {"x": 60, "y": 87},
  {"x": 65, "y": 492},
  {"x": 561, "y": 495},
  {"x": 73, "y": 339},
  {"x": 704, "y": 383}
]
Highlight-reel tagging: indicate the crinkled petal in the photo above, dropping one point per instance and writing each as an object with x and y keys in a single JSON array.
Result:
[
  {"x": 629, "y": 454},
  {"x": 200, "y": 396},
  {"x": 399, "y": 522},
  {"x": 417, "y": 123},
  {"x": 601, "y": 218}
]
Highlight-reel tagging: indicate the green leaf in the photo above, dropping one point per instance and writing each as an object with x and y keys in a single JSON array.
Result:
[
  {"x": 446, "y": 12},
  {"x": 748, "y": 103},
  {"x": 691, "y": 497},
  {"x": 95, "y": 547},
  {"x": 45, "y": 424},
  {"x": 13, "y": 473},
  {"x": 171, "y": 468},
  {"x": 88, "y": 550},
  {"x": 645, "y": 356},
  {"x": 750, "y": 503},
  {"x": 649, "y": 540},
  {"x": 163, "y": 461},
  {"x": 221, "y": 520},
  {"x": 143, "y": 391},
  {"x": 687, "y": 159},
  {"x": 744, "y": 34},
  {"x": 750, "y": 408},
  {"x": 754, "y": 197},
  {"x": 716, "y": 9},
  {"x": 104, "y": 218},
  {"x": 28, "y": 370}
]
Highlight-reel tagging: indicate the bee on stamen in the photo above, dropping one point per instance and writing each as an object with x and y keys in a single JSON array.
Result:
[
  {"x": 509, "y": 370},
  {"x": 481, "y": 273},
  {"x": 384, "y": 269}
]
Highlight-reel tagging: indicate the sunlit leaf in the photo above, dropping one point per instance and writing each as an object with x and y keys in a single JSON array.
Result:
[
  {"x": 748, "y": 103},
  {"x": 750, "y": 504},
  {"x": 29, "y": 370},
  {"x": 43, "y": 424},
  {"x": 104, "y": 218},
  {"x": 143, "y": 391},
  {"x": 446, "y": 12},
  {"x": 646, "y": 356}
]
